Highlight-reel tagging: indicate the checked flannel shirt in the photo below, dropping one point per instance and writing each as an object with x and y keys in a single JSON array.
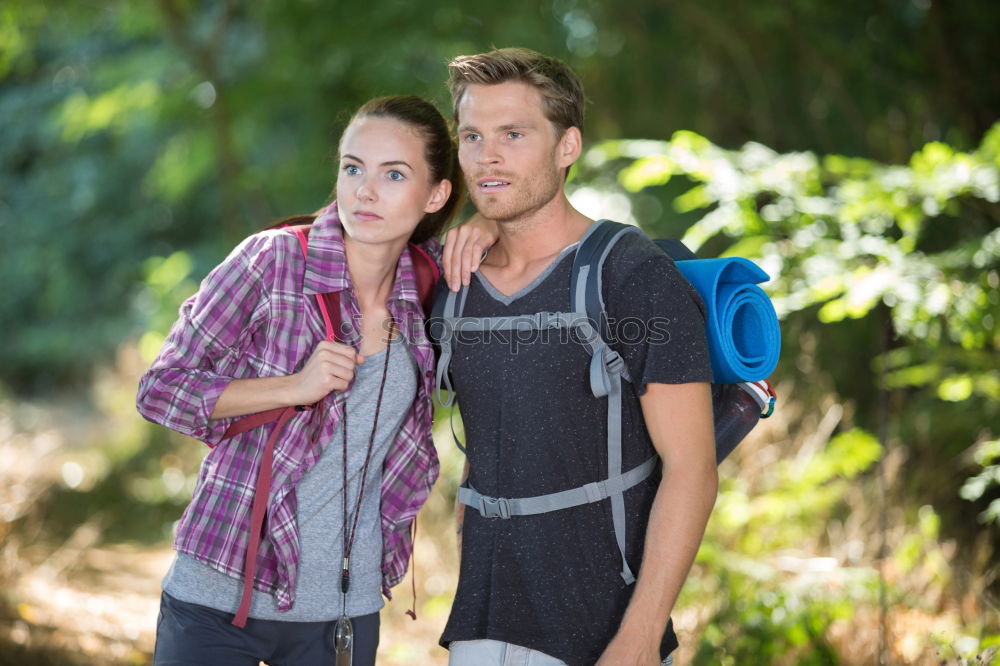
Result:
[{"x": 255, "y": 315}]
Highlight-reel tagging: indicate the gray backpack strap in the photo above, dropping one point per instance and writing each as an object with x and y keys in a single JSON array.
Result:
[
  {"x": 504, "y": 507},
  {"x": 446, "y": 311},
  {"x": 607, "y": 369},
  {"x": 535, "y": 322}
]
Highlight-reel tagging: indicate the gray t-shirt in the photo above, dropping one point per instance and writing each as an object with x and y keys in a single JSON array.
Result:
[
  {"x": 320, "y": 512},
  {"x": 552, "y": 582}
]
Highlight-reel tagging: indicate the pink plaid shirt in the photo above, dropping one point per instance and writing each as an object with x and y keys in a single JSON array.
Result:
[{"x": 255, "y": 316}]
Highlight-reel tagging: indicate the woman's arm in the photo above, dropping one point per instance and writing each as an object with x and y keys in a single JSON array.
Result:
[
  {"x": 181, "y": 388},
  {"x": 330, "y": 368}
]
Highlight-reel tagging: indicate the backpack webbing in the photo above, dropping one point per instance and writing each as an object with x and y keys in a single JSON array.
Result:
[
  {"x": 737, "y": 407},
  {"x": 606, "y": 372}
]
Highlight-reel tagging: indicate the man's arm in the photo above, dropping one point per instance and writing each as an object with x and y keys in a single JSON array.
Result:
[{"x": 679, "y": 420}]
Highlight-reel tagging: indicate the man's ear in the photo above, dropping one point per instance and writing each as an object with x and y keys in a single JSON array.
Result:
[
  {"x": 439, "y": 196},
  {"x": 569, "y": 148}
]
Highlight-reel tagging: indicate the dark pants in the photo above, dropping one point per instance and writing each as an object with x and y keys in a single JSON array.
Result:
[{"x": 193, "y": 635}]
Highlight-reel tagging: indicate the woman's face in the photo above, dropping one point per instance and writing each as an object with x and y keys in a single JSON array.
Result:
[{"x": 383, "y": 184}]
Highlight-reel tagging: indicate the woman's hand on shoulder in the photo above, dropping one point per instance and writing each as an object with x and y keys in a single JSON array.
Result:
[
  {"x": 330, "y": 368},
  {"x": 464, "y": 247}
]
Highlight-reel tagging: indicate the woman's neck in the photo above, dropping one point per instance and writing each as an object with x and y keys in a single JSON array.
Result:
[{"x": 373, "y": 271}]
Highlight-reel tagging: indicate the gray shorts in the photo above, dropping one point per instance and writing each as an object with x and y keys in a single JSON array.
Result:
[{"x": 497, "y": 653}]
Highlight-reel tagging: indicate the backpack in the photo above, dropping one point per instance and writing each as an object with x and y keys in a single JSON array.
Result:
[
  {"x": 427, "y": 274},
  {"x": 740, "y": 396}
]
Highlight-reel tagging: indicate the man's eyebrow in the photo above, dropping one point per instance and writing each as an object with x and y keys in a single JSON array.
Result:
[
  {"x": 521, "y": 124},
  {"x": 353, "y": 158}
]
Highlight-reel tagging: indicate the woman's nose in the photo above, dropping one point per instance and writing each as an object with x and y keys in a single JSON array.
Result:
[{"x": 365, "y": 191}]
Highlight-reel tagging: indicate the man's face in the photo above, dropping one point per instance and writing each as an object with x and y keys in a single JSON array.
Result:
[{"x": 509, "y": 150}]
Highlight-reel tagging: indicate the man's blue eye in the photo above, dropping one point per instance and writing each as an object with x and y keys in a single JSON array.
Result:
[
  {"x": 472, "y": 137},
  {"x": 514, "y": 135}
]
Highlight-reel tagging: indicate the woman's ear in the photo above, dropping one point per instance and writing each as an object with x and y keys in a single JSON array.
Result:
[{"x": 439, "y": 196}]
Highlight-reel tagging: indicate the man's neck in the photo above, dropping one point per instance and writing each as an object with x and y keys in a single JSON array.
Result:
[{"x": 538, "y": 236}]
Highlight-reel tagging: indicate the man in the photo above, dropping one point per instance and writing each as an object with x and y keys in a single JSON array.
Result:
[{"x": 549, "y": 588}]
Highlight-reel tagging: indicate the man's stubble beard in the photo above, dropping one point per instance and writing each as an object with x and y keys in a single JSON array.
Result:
[{"x": 516, "y": 210}]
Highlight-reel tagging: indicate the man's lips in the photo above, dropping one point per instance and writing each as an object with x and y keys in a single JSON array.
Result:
[
  {"x": 366, "y": 215},
  {"x": 492, "y": 183}
]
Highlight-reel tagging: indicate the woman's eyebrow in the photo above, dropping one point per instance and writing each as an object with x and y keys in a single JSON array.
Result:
[
  {"x": 354, "y": 158},
  {"x": 397, "y": 163}
]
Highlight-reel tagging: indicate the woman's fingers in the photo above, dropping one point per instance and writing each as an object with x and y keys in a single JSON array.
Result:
[
  {"x": 329, "y": 368},
  {"x": 463, "y": 250},
  {"x": 471, "y": 255}
]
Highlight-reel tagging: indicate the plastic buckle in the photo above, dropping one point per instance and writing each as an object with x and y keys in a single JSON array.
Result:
[
  {"x": 494, "y": 507},
  {"x": 613, "y": 361}
]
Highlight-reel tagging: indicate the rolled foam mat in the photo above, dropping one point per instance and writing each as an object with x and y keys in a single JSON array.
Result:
[{"x": 743, "y": 336}]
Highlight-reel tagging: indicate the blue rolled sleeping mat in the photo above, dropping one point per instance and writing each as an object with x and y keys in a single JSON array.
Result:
[{"x": 743, "y": 336}]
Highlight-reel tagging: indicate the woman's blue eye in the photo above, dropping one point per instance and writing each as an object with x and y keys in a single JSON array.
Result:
[
  {"x": 396, "y": 175},
  {"x": 352, "y": 170}
]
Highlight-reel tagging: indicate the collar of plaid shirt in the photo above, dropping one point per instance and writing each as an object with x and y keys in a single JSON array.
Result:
[{"x": 215, "y": 526}]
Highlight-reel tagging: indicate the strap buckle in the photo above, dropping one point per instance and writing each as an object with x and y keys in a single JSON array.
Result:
[
  {"x": 548, "y": 320},
  {"x": 613, "y": 361},
  {"x": 494, "y": 507}
]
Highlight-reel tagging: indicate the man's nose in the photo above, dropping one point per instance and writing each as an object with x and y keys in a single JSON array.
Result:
[{"x": 489, "y": 152}]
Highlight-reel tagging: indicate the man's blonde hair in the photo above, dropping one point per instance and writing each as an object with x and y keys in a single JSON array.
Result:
[{"x": 562, "y": 93}]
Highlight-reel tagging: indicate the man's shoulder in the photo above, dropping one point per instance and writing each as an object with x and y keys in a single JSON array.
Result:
[{"x": 633, "y": 251}]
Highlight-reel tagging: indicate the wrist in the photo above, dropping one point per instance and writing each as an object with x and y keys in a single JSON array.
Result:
[
  {"x": 286, "y": 391},
  {"x": 640, "y": 631}
]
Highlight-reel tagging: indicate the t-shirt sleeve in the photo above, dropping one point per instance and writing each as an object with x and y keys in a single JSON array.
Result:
[{"x": 656, "y": 318}]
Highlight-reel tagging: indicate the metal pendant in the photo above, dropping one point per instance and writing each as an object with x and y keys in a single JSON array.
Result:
[{"x": 343, "y": 641}]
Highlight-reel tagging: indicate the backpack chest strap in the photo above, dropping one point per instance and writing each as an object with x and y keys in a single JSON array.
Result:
[
  {"x": 534, "y": 322},
  {"x": 505, "y": 507}
]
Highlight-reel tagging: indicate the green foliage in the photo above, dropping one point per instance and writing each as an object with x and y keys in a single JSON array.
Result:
[
  {"x": 987, "y": 481},
  {"x": 846, "y": 239},
  {"x": 770, "y": 603},
  {"x": 134, "y": 130},
  {"x": 142, "y": 140}
]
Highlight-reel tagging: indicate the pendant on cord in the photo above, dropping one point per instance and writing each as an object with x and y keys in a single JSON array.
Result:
[
  {"x": 343, "y": 635},
  {"x": 343, "y": 641}
]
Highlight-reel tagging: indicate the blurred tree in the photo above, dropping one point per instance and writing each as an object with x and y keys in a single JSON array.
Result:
[
  {"x": 135, "y": 129},
  {"x": 846, "y": 146}
]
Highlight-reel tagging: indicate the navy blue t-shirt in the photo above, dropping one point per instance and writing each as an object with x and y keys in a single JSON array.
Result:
[{"x": 552, "y": 582}]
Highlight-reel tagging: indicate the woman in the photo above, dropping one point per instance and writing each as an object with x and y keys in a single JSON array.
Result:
[{"x": 353, "y": 466}]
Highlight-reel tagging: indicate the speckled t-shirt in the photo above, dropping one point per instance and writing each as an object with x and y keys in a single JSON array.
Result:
[{"x": 552, "y": 582}]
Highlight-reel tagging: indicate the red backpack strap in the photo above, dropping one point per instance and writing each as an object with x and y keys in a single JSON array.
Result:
[
  {"x": 329, "y": 303},
  {"x": 329, "y": 307},
  {"x": 427, "y": 273}
]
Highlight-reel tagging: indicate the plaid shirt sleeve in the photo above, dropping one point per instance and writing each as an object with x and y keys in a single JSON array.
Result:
[{"x": 200, "y": 356}]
